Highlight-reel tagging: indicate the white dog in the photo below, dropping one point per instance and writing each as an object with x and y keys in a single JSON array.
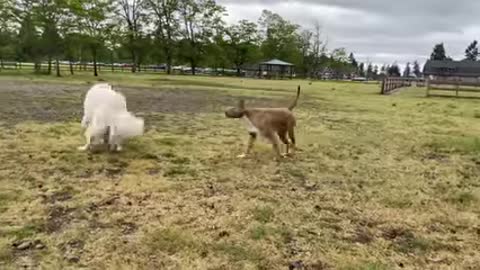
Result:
[{"x": 106, "y": 118}]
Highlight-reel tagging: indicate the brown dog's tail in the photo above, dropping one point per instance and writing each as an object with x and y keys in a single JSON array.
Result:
[{"x": 294, "y": 103}]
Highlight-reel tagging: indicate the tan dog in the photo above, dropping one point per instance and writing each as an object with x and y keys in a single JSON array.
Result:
[{"x": 271, "y": 123}]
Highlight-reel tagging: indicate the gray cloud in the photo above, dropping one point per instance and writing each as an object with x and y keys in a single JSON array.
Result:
[{"x": 381, "y": 31}]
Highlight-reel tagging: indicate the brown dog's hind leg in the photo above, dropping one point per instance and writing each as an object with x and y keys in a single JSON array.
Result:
[
  {"x": 283, "y": 138},
  {"x": 273, "y": 138},
  {"x": 291, "y": 135}
]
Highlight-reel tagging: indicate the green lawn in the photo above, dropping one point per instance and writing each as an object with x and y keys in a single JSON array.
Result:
[{"x": 381, "y": 182}]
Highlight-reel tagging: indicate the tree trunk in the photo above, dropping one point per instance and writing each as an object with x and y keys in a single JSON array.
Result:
[
  {"x": 134, "y": 61},
  {"x": 49, "y": 65},
  {"x": 58, "y": 67},
  {"x": 71, "y": 67},
  {"x": 192, "y": 64},
  {"x": 169, "y": 64},
  {"x": 94, "y": 54},
  {"x": 37, "y": 66}
]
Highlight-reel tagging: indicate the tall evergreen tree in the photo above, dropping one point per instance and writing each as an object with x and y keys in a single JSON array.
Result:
[
  {"x": 471, "y": 53},
  {"x": 361, "y": 70},
  {"x": 416, "y": 69},
  {"x": 369, "y": 71},
  {"x": 393, "y": 70},
  {"x": 438, "y": 53},
  {"x": 352, "y": 60},
  {"x": 407, "y": 71}
]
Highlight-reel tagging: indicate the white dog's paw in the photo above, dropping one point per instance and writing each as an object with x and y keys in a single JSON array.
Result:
[
  {"x": 83, "y": 148},
  {"x": 242, "y": 156},
  {"x": 119, "y": 148}
]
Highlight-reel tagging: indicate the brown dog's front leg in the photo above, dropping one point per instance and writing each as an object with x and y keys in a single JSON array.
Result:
[{"x": 251, "y": 141}]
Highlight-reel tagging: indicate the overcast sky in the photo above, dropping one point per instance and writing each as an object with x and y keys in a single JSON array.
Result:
[{"x": 380, "y": 31}]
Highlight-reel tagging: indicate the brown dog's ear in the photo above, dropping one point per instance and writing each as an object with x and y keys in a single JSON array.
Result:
[{"x": 241, "y": 104}]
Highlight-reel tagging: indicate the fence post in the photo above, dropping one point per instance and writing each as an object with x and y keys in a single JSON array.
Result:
[
  {"x": 457, "y": 85},
  {"x": 383, "y": 87},
  {"x": 428, "y": 87}
]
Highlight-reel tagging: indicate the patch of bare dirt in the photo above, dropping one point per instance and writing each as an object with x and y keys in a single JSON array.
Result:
[
  {"x": 50, "y": 102},
  {"x": 58, "y": 217}
]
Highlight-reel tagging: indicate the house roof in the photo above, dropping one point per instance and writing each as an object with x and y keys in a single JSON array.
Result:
[
  {"x": 276, "y": 62},
  {"x": 452, "y": 68}
]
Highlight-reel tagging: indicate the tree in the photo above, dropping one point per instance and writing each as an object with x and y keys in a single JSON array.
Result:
[
  {"x": 383, "y": 69},
  {"x": 53, "y": 18},
  {"x": 133, "y": 14},
  {"x": 369, "y": 71},
  {"x": 93, "y": 23},
  {"x": 416, "y": 69},
  {"x": 471, "y": 53},
  {"x": 242, "y": 40},
  {"x": 319, "y": 48},
  {"x": 167, "y": 23},
  {"x": 407, "y": 72},
  {"x": 27, "y": 42},
  {"x": 352, "y": 60},
  {"x": 361, "y": 70},
  {"x": 393, "y": 70},
  {"x": 439, "y": 53},
  {"x": 280, "y": 38},
  {"x": 305, "y": 48},
  {"x": 200, "y": 20},
  {"x": 375, "y": 72},
  {"x": 7, "y": 36}
]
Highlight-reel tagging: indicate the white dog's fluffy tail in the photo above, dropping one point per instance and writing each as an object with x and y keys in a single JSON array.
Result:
[{"x": 127, "y": 125}]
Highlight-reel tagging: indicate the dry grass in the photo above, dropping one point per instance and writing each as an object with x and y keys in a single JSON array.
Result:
[{"x": 380, "y": 182}]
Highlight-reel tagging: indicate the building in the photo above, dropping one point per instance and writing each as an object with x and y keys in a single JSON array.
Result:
[
  {"x": 463, "y": 71},
  {"x": 276, "y": 69}
]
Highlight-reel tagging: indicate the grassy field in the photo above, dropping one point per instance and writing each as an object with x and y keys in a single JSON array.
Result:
[{"x": 380, "y": 182}]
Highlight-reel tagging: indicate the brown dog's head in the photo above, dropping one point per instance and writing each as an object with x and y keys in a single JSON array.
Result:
[{"x": 236, "y": 112}]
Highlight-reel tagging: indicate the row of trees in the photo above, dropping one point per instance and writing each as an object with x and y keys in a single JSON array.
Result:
[
  {"x": 174, "y": 32},
  {"x": 471, "y": 52}
]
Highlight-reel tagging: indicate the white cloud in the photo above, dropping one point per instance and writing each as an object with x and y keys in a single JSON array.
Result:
[{"x": 377, "y": 30}]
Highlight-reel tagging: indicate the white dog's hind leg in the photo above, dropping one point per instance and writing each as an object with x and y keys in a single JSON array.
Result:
[
  {"x": 85, "y": 121},
  {"x": 88, "y": 138},
  {"x": 114, "y": 140}
]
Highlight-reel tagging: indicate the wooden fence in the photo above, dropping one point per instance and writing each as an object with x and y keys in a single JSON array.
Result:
[
  {"x": 393, "y": 84},
  {"x": 66, "y": 67},
  {"x": 456, "y": 85}
]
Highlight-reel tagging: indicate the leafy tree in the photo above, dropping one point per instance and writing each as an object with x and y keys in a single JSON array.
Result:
[
  {"x": 168, "y": 24},
  {"x": 242, "y": 40},
  {"x": 319, "y": 48},
  {"x": 416, "y": 69},
  {"x": 53, "y": 18},
  {"x": 28, "y": 38},
  {"x": 280, "y": 38},
  {"x": 407, "y": 72},
  {"x": 200, "y": 18},
  {"x": 471, "y": 53},
  {"x": 7, "y": 36},
  {"x": 438, "y": 53},
  {"x": 306, "y": 47},
  {"x": 133, "y": 14},
  {"x": 93, "y": 23}
]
